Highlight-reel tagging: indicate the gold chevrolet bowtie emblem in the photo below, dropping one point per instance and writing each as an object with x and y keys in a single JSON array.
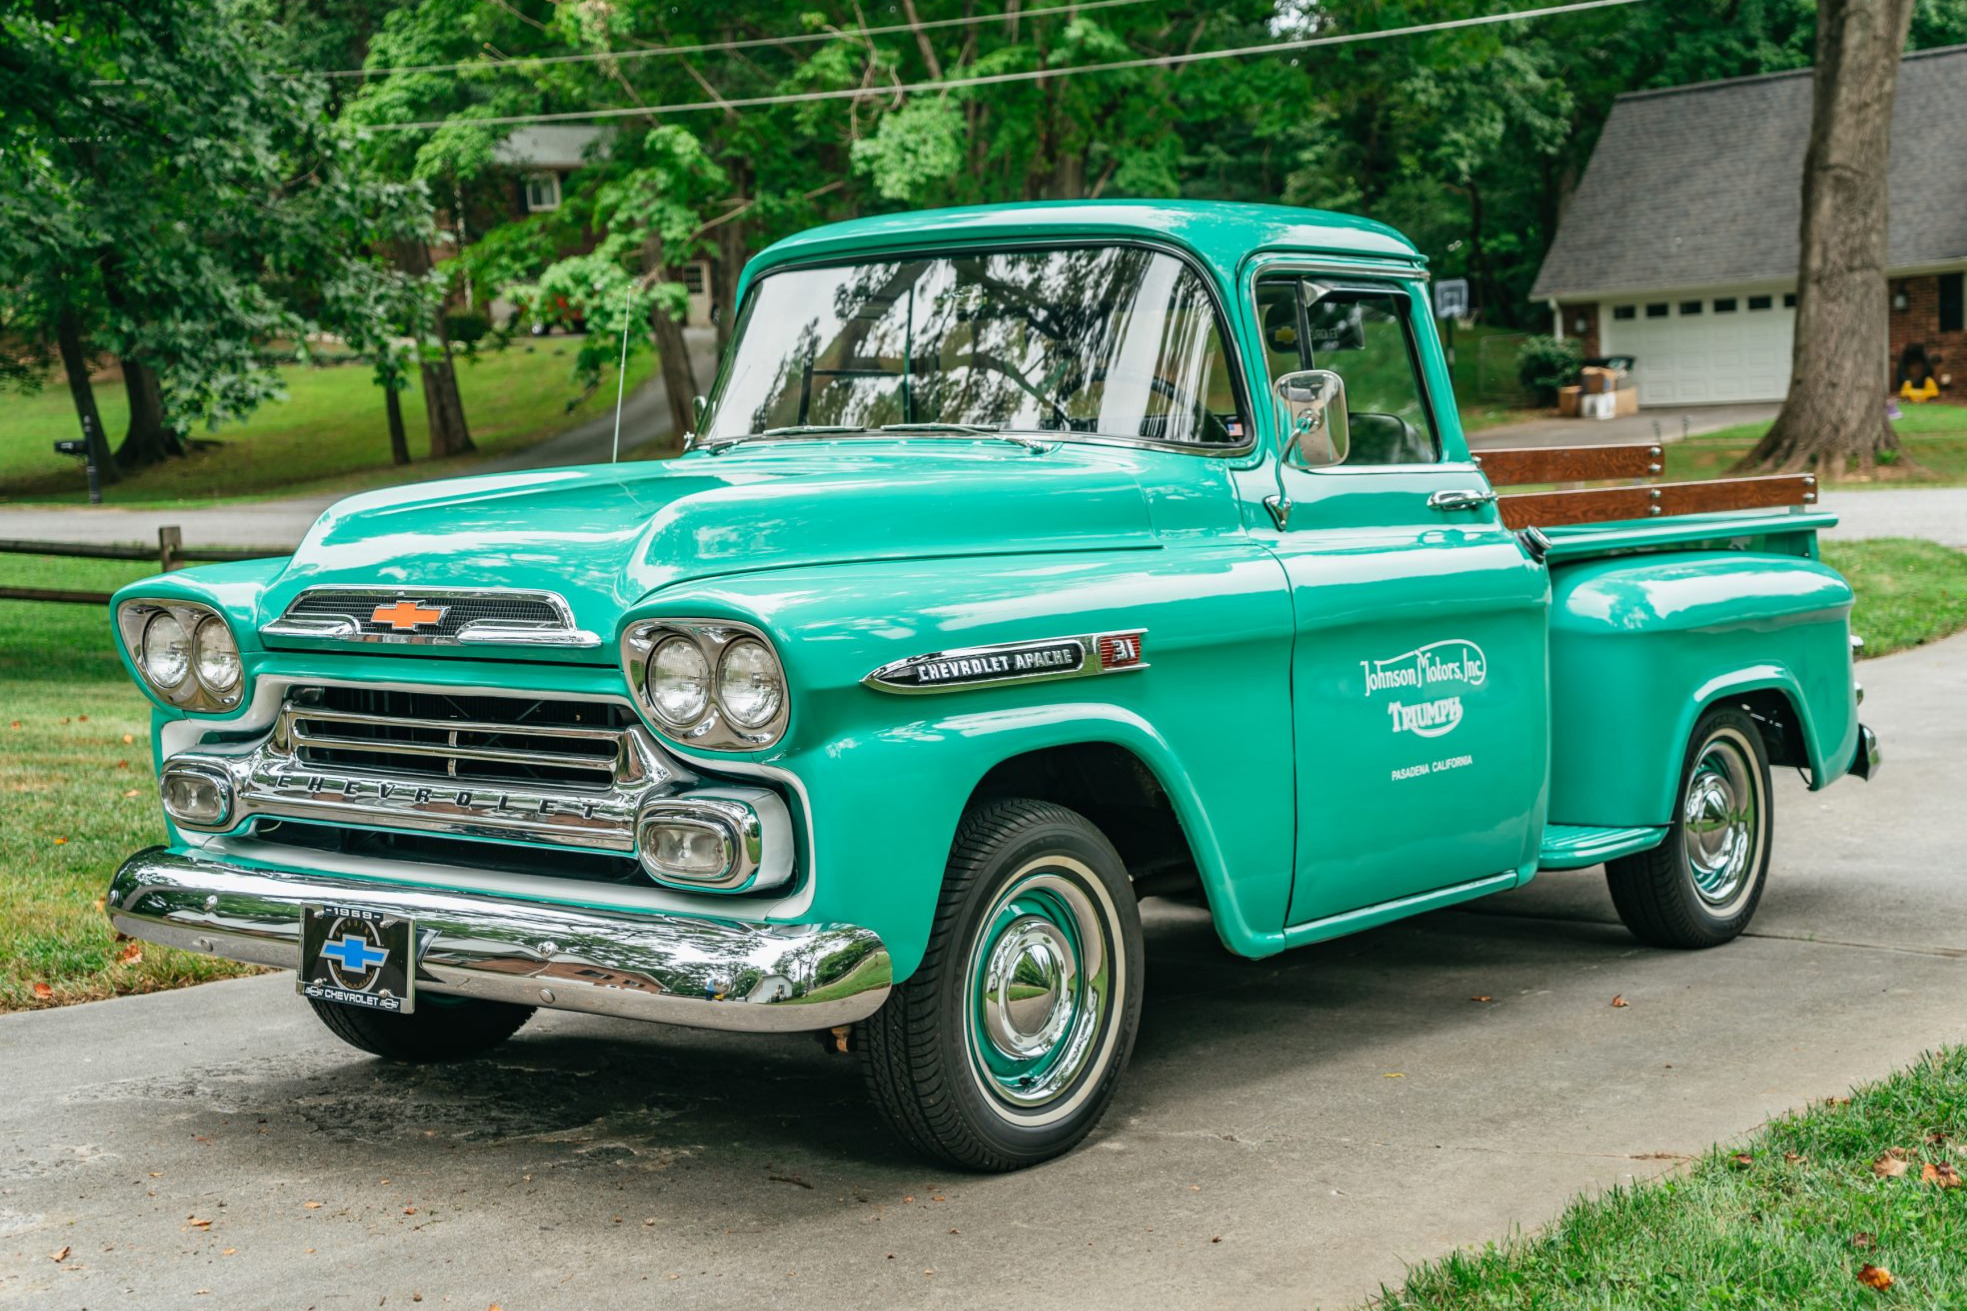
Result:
[{"x": 406, "y": 616}]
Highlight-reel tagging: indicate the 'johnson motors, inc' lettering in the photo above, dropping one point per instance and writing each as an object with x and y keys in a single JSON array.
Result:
[{"x": 1434, "y": 678}]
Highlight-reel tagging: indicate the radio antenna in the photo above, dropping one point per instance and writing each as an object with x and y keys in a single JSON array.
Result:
[{"x": 621, "y": 376}]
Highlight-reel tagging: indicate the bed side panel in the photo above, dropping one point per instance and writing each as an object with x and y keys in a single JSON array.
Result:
[{"x": 1640, "y": 645}]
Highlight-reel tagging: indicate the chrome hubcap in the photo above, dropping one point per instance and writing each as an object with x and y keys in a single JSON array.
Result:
[
  {"x": 1041, "y": 982},
  {"x": 1721, "y": 821}
]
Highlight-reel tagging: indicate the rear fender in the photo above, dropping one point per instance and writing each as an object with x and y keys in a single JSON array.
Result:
[{"x": 1642, "y": 646}]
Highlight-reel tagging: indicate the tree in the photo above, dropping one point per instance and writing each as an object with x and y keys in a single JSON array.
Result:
[
  {"x": 169, "y": 198},
  {"x": 1835, "y": 411}
]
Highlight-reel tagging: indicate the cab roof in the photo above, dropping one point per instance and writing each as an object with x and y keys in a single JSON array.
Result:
[{"x": 1218, "y": 233}]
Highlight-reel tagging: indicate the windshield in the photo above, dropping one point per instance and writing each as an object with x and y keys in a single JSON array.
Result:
[{"x": 1116, "y": 340}]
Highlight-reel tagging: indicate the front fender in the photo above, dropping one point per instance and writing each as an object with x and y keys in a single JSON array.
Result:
[{"x": 883, "y": 778}]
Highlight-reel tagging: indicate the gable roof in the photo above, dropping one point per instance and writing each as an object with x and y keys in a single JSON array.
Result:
[{"x": 1702, "y": 185}]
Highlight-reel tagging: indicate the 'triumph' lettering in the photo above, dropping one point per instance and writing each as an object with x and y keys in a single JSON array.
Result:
[{"x": 1428, "y": 719}]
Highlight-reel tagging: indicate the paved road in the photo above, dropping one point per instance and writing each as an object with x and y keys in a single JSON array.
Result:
[
  {"x": 278, "y": 524},
  {"x": 1293, "y": 1130}
]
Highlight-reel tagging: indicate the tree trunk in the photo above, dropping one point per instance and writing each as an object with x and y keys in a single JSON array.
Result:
[
  {"x": 443, "y": 408},
  {"x": 441, "y": 404},
  {"x": 1839, "y": 375},
  {"x": 399, "y": 439},
  {"x": 150, "y": 438},
  {"x": 672, "y": 351},
  {"x": 75, "y": 363}
]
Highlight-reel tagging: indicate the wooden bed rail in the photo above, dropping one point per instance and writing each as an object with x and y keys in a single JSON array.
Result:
[{"x": 1516, "y": 466}]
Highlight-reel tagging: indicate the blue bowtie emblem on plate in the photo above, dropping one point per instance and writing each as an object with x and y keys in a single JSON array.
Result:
[{"x": 355, "y": 953}]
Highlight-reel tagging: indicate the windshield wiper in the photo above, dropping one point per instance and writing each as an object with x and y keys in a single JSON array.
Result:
[
  {"x": 718, "y": 445},
  {"x": 969, "y": 429}
]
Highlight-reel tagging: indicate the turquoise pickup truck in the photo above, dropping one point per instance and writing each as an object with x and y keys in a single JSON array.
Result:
[{"x": 1028, "y": 561}]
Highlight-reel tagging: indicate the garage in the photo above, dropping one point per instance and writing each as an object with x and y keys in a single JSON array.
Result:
[{"x": 1704, "y": 349}]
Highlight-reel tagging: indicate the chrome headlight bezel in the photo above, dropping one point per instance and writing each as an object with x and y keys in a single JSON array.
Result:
[
  {"x": 190, "y": 692},
  {"x": 714, "y": 729}
]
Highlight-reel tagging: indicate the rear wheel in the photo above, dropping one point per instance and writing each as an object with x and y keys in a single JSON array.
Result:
[
  {"x": 1004, "y": 1047},
  {"x": 440, "y": 1029},
  {"x": 1700, "y": 887}
]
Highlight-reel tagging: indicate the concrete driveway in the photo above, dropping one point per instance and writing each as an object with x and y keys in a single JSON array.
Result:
[
  {"x": 1664, "y": 423},
  {"x": 1292, "y": 1133}
]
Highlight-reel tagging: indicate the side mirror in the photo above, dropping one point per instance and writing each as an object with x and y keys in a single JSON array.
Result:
[{"x": 1312, "y": 416}]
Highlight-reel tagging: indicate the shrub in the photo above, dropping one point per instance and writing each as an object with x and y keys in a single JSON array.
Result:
[
  {"x": 467, "y": 329},
  {"x": 1546, "y": 363}
]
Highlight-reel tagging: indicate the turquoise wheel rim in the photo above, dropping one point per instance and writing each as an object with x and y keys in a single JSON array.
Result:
[{"x": 1043, "y": 975}]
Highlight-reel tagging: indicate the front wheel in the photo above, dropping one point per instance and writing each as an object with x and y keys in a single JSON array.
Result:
[
  {"x": 1700, "y": 887},
  {"x": 1004, "y": 1047}
]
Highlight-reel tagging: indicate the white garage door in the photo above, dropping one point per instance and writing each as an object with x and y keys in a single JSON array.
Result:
[{"x": 1728, "y": 347}]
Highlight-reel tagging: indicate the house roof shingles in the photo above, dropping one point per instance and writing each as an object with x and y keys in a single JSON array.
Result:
[{"x": 1701, "y": 186}]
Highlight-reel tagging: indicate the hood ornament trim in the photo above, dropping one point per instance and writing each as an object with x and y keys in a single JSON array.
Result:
[{"x": 368, "y": 614}]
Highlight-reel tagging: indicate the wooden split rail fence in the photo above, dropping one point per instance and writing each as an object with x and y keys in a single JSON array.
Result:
[
  {"x": 170, "y": 553},
  {"x": 1642, "y": 499}
]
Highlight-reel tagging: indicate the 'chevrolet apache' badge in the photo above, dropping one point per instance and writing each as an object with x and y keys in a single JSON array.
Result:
[{"x": 1013, "y": 662}]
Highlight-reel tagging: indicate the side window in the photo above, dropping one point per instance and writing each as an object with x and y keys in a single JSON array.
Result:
[{"x": 1361, "y": 335}]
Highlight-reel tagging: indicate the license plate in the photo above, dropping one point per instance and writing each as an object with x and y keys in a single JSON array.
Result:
[{"x": 358, "y": 958}]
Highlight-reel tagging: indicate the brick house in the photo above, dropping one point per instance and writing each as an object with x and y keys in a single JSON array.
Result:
[{"x": 1680, "y": 246}]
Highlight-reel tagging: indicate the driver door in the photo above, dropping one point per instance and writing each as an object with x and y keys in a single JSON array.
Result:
[{"x": 1418, "y": 671}]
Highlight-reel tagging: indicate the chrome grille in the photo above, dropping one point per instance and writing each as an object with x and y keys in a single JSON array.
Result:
[{"x": 461, "y": 738}]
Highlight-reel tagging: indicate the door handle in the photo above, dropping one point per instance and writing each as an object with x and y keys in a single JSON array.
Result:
[{"x": 1461, "y": 499}]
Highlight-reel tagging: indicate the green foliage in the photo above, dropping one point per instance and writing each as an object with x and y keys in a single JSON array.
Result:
[
  {"x": 913, "y": 149},
  {"x": 161, "y": 183},
  {"x": 1544, "y": 364}
]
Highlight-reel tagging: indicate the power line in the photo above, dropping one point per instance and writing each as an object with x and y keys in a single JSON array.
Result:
[
  {"x": 998, "y": 79},
  {"x": 747, "y": 43}
]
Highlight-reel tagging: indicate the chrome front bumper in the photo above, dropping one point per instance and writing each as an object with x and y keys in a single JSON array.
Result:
[{"x": 676, "y": 969}]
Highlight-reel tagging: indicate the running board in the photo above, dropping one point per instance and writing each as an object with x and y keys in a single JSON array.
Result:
[
  {"x": 1576, "y": 846},
  {"x": 1368, "y": 917}
]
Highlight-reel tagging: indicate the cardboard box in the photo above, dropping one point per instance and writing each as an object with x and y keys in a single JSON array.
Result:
[
  {"x": 1567, "y": 401},
  {"x": 1595, "y": 380},
  {"x": 1625, "y": 401}
]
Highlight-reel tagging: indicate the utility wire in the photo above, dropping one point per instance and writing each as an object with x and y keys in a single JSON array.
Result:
[
  {"x": 747, "y": 43},
  {"x": 997, "y": 79}
]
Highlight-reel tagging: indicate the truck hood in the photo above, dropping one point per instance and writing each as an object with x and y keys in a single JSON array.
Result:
[{"x": 605, "y": 536}]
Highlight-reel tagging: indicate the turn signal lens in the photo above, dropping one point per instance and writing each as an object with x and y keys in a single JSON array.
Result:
[
  {"x": 196, "y": 798},
  {"x": 216, "y": 657},
  {"x": 750, "y": 684},
  {"x": 679, "y": 682},
  {"x": 686, "y": 851},
  {"x": 166, "y": 651}
]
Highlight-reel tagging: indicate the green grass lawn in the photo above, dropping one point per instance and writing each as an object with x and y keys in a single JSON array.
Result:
[
  {"x": 1909, "y": 591},
  {"x": 1794, "y": 1218},
  {"x": 77, "y": 795},
  {"x": 330, "y": 434},
  {"x": 1935, "y": 436}
]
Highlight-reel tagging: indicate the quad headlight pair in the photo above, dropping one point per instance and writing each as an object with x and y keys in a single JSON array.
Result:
[
  {"x": 709, "y": 682},
  {"x": 185, "y": 652}
]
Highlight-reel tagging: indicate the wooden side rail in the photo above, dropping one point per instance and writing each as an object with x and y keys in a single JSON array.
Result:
[
  {"x": 1515, "y": 465},
  {"x": 1596, "y": 504},
  {"x": 1641, "y": 499}
]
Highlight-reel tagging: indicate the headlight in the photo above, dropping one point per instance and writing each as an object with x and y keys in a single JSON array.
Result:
[
  {"x": 185, "y": 652},
  {"x": 679, "y": 682},
  {"x": 166, "y": 653},
  {"x": 710, "y": 683},
  {"x": 750, "y": 685},
  {"x": 216, "y": 656}
]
